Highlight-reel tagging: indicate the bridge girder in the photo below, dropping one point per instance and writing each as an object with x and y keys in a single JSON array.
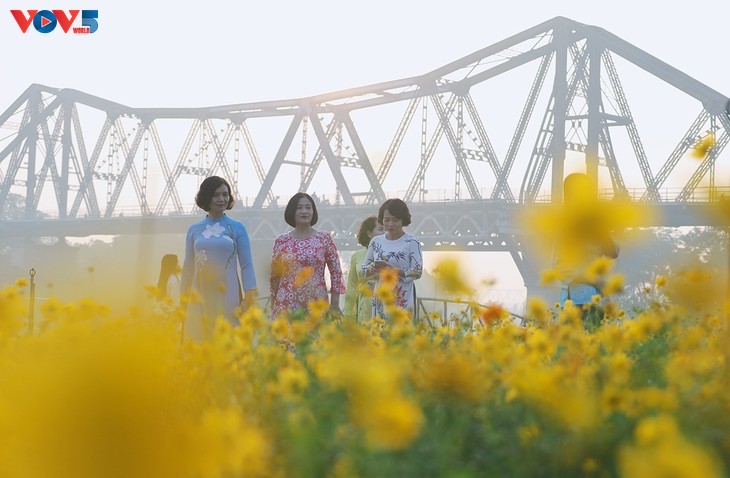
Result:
[{"x": 48, "y": 144}]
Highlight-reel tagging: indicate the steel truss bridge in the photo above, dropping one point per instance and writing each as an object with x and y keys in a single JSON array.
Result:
[{"x": 75, "y": 164}]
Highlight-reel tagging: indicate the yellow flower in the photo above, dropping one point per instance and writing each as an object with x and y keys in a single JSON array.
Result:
[
  {"x": 615, "y": 399},
  {"x": 303, "y": 276},
  {"x": 598, "y": 268},
  {"x": 655, "y": 399},
  {"x": 293, "y": 380},
  {"x": 450, "y": 375},
  {"x": 280, "y": 328},
  {"x": 702, "y": 147},
  {"x": 388, "y": 277},
  {"x": 300, "y": 329},
  {"x": 537, "y": 310},
  {"x": 660, "y": 281},
  {"x": 550, "y": 276},
  {"x": 153, "y": 291},
  {"x": 193, "y": 297},
  {"x": 13, "y": 309},
  {"x": 614, "y": 285},
  {"x": 540, "y": 344},
  {"x": 493, "y": 313},
  {"x": 22, "y": 282},
  {"x": 385, "y": 294},
  {"x": 229, "y": 447},
  {"x": 695, "y": 287},
  {"x": 391, "y": 423},
  {"x": 365, "y": 289},
  {"x": 253, "y": 318},
  {"x": 660, "y": 450},
  {"x": 450, "y": 277},
  {"x": 317, "y": 308}
]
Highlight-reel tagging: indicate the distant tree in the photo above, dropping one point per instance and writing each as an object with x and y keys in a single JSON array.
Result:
[
  {"x": 652, "y": 252},
  {"x": 14, "y": 208}
]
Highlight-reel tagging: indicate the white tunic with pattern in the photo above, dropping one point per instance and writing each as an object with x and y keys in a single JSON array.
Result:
[{"x": 403, "y": 253}]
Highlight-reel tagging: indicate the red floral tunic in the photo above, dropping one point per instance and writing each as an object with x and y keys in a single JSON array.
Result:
[{"x": 297, "y": 271}]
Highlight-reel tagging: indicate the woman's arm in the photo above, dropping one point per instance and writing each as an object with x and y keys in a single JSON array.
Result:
[
  {"x": 245, "y": 260},
  {"x": 249, "y": 297},
  {"x": 369, "y": 267},
  {"x": 335, "y": 303},
  {"x": 188, "y": 270},
  {"x": 332, "y": 258},
  {"x": 276, "y": 269},
  {"x": 415, "y": 261},
  {"x": 609, "y": 247}
]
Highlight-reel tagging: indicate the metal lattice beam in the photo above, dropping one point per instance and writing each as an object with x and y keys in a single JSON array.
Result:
[{"x": 49, "y": 145}]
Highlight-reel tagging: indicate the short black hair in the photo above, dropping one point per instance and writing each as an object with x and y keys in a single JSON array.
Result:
[
  {"x": 207, "y": 189},
  {"x": 397, "y": 208},
  {"x": 365, "y": 227},
  {"x": 291, "y": 209}
]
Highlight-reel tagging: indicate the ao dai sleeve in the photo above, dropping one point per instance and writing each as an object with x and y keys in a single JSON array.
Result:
[
  {"x": 188, "y": 270},
  {"x": 332, "y": 258},
  {"x": 243, "y": 245},
  {"x": 369, "y": 257},
  {"x": 415, "y": 260}
]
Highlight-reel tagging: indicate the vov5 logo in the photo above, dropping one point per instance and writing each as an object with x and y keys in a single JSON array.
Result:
[{"x": 45, "y": 21}]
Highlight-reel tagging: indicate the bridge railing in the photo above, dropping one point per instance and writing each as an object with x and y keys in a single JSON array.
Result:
[
  {"x": 706, "y": 194},
  {"x": 452, "y": 312},
  {"x": 701, "y": 194}
]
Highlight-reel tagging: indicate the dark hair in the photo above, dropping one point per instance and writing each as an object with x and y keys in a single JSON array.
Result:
[
  {"x": 207, "y": 189},
  {"x": 291, "y": 209},
  {"x": 397, "y": 208},
  {"x": 365, "y": 227},
  {"x": 579, "y": 187},
  {"x": 168, "y": 267}
]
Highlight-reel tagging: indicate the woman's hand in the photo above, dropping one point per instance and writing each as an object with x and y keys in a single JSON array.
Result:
[
  {"x": 335, "y": 305},
  {"x": 376, "y": 266}
]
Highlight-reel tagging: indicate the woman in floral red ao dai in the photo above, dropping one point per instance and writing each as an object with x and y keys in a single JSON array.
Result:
[{"x": 299, "y": 260}]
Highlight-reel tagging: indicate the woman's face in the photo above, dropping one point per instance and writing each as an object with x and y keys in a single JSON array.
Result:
[
  {"x": 304, "y": 212},
  {"x": 376, "y": 231},
  {"x": 392, "y": 225},
  {"x": 219, "y": 201}
]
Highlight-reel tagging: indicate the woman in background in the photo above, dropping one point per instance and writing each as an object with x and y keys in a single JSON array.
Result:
[
  {"x": 358, "y": 306},
  {"x": 168, "y": 284},
  {"x": 398, "y": 251},
  {"x": 215, "y": 249},
  {"x": 299, "y": 259}
]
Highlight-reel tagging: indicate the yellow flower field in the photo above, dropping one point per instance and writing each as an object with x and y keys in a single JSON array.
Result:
[{"x": 96, "y": 392}]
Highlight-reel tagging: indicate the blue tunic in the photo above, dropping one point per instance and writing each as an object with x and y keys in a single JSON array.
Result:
[{"x": 213, "y": 247}]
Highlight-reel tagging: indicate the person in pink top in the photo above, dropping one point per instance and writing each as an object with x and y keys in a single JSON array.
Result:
[{"x": 299, "y": 260}]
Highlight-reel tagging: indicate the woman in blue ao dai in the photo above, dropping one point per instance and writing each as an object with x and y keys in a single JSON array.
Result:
[{"x": 216, "y": 248}]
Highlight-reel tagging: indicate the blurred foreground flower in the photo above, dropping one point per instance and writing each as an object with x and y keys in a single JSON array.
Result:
[
  {"x": 703, "y": 146},
  {"x": 660, "y": 450},
  {"x": 95, "y": 395},
  {"x": 451, "y": 278}
]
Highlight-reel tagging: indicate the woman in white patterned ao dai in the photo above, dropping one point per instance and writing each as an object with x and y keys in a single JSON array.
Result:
[{"x": 397, "y": 250}]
